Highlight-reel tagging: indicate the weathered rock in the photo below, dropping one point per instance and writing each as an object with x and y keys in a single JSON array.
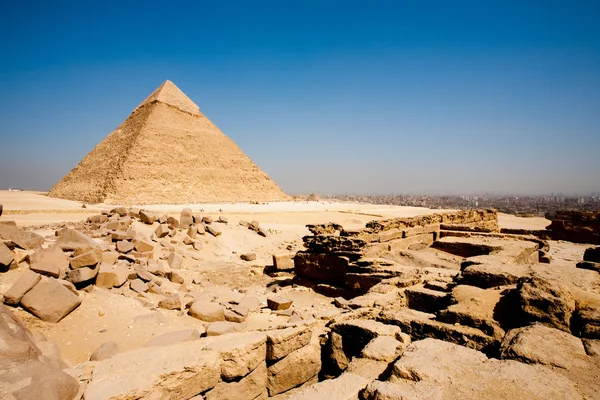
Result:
[
  {"x": 200, "y": 229},
  {"x": 248, "y": 256},
  {"x": 33, "y": 379},
  {"x": 50, "y": 262},
  {"x": 282, "y": 342},
  {"x": 175, "y": 277},
  {"x": 72, "y": 240},
  {"x": 121, "y": 272},
  {"x": 345, "y": 387},
  {"x": 80, "y": 275},
  {"x": 87, "y": 258},
  {"x": 106, "y": 276},
  {"x": 162, "y": 230},
  {"x": 186, "y": 218},
  {"x": 445, "y": 370},
  {"x": 105, "y": 351},
  {"x": 426, "y": 300},
  {"x": 143, "y": 246},
  {"x": 175, "y": 260},
  {"x": 68, "y": 285},
  {"x": 6, "y": 257},
  {"x": 207, "y": 311},
  {"x": 422, "y": 325},
  {"x": 158, "y": 267},
  {"x": 283, "y": 262},
  {"x": 175, "y": 372},
  {"x": 357, "y": 333},
  {"x": 240, "y": 353},
  {"x": 545, "y": 301},
  {"x": 476, "y": 308},
  {"x": 170, "y": 338},
  {"x": 213, "y": 230},
  {"x": 321, "y": 267},
  {"x": 592, "y": 254},
  {"x": 24, "y": 284},
  {"x": 138, "y": 285},
  {"x": 50, "y": 301},
  {"x": 143, "y": 274},
  {"x": 236, "y": 314},
  {"x": 382, "y": 348},
  {"x": 492, "y": 275},
  {"x": 207, "y": 220},
  {"x": 19, "y": 237},
  {"x": 222, "y": 220},
  {"x": 252, "y": 386},
  {"x": 148, "y": 217},
  {"x": 295, "y": 369},
  {"x": 252, "y": 303},
  {"x": 279, "y": 303},
  {"x": 223, "y": 327}
]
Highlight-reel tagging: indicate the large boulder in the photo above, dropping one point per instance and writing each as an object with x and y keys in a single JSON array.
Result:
[
  {"x": 24, "y": 284},
  {"x": 298, "y": 367},
  {"x": 546, "y": 301},
  {"x": 448, "y": 371},
  {"x": 474, "y": 307},
  {"x": 26, "y": 373},
  {"x": 50, "y": 262},
  {"x": 72, "y": 240},
  {"x": 177, "y": 372},
  {"x": 6, "y": 257},
  {"x": 50, "y": 301},
  {"x": 539, "y": 344}
]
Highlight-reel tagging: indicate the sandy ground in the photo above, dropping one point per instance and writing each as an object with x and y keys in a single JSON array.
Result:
[{"x": 127, "y": 319}]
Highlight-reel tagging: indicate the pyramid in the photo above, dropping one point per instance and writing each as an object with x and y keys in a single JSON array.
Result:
[{"x": 167, "y": 152}]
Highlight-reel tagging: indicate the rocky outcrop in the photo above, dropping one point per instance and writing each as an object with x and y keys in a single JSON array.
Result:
[
  {"x": 25, "y": 373},
  {"x": 575, "y": 226}
]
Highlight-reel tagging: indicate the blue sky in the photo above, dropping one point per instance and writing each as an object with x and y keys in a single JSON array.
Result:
[{"x": 416, "y": 97}]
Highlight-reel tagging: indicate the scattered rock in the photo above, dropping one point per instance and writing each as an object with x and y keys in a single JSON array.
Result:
[
  {"x": 222, "y": 327},
  {"x": 50, "y": 301},
  {"x": 293, "y": 370},
  {"x": 105, "y": 351},
  {"x": 87, "y": 258},
  {"x": 24, "y": 284},
  {"x": 138, "y": 285},
  {"x": 213, "y": 230},
  {"x": 49, "y": 262},
  {"x": 186, "y": 218},
  {"x": 175, "y": 260},
  {"x": 207, "y": 311},
  {"x": 248, "y": 256},
  {"x": 279, "y": 303}
]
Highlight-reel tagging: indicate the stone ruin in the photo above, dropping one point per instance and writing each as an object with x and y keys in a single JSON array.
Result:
[{"x": 443, "y": 306}]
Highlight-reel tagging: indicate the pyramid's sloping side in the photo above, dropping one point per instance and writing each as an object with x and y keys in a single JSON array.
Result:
[
  {"x": 182, "y": 158},
  {"x": 93, "y": 178}
]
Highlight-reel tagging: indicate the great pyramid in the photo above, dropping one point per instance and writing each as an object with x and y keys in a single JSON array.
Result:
[{"x": 167, "y": 152}]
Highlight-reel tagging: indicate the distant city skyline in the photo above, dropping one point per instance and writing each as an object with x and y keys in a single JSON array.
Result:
[{"x": 385, "y": 97}]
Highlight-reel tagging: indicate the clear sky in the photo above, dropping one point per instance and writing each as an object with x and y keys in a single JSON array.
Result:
[{"x": 438, "y": 97}]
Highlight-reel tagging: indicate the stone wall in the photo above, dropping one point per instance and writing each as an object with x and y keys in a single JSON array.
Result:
[
  {"x": 575, "y": 226},
  {"x": 333, "y": 262},
  {"x": 249, "y": 365}
]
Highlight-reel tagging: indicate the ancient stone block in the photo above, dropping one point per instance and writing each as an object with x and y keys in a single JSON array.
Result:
[
  {"x": 295, "y": 369},
  {"x": 50, "y": 301},
  {"x": 86, "y": 258},
  {"x": 24, "y": 284},
  {"x": 282, "y": 342},
  {"x": 207, "y": 311}
]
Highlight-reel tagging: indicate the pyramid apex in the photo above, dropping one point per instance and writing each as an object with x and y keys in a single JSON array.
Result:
[{"x": 169, "y": 93}]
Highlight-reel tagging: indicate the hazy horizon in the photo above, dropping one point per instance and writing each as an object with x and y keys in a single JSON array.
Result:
[{"x": 459, "y": 98}]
